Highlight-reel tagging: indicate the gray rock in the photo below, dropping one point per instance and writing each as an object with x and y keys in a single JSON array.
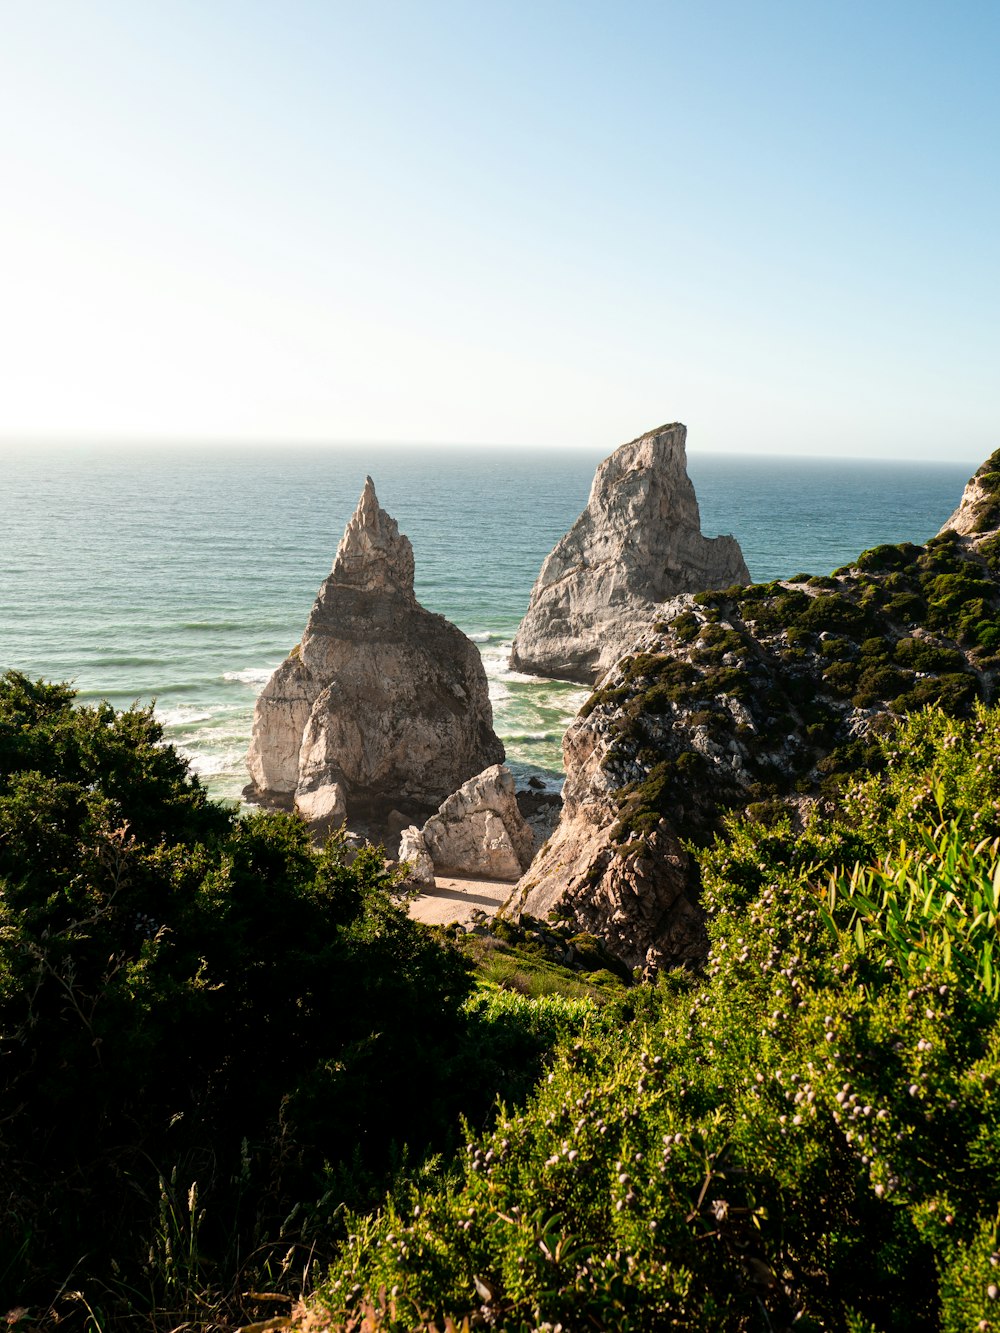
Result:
[
  {"x": 637, "y": 543},
  {"x": 383, "y": 704}
]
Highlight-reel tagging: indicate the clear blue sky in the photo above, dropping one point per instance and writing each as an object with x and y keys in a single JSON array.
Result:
[{"x": 528, "y": 223}]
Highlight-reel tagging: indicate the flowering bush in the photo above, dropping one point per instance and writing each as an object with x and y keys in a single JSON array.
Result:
[{"x": 807, "y": 1134}]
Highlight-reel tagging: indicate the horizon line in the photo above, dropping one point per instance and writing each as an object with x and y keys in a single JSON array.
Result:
[{"x": 119, "y": 440}]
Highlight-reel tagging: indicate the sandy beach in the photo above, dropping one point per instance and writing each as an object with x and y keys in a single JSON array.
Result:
[{"x": 454, "y": 899}]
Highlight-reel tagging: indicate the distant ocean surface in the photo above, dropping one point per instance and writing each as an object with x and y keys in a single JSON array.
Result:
[{"x": 185, "y": 576}]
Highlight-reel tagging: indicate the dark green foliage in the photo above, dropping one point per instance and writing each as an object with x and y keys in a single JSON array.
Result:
[
  {"x": 879, "y": 684},
  {"x": 990, "y": 552},
  {"x": 905, "y": 608},
  {"x": 685, "y": 626},
  {"x": 881, "y": 559},
  {"x": 925, "y": 655},
  {"x": 666, "y": 676},
  {"x": 715, "y": 643},
  {"x": 835, "y": 614},
  {"x": 837, "y": 647},
  {"x": 192, "y": 1004}
]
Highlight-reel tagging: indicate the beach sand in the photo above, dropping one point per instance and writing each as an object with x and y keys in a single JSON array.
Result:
[{"x": 456, "y": 900}]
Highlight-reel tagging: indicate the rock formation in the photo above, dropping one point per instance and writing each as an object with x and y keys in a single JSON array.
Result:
[
  {"x": 979, "y": 510},
  {"x": 383, "y": 704},
  {"x": 478, "y": 831},
  {"x": 413, "y": 850},
  {"x": 636, "y": 544},
  {"x": 766, "y": 699}
]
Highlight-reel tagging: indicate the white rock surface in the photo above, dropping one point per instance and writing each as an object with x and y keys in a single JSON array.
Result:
[
  {"x": 478, "y": 831},
  {"x": 383, "y": 704},
  {"x": 978, "y": 513},
  {"x": 413, "y": 849},
  {"x": 324, "y": 805},
  {"x": 636, "y": 544}
]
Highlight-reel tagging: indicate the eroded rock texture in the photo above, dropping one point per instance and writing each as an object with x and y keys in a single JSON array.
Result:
[
  {"x": 383, "y": 704},
  {"x": 478, "y": 831},
  {"x": 636, "y": 544},
  {"x": 766, "y": 698}
]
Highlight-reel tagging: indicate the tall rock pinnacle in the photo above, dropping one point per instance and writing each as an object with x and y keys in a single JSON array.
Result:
[
  {"x": 383, "y": 704},
  {"x": 373, "y": 555},
  {"x": 637, "y": 543}
]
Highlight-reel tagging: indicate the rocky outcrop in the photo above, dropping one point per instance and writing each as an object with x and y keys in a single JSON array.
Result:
[
  {"x": 478, "y": 831},
  {"x": 636, "y": 544},
  {"x": 979, "y": 510},
  {"x": 383, "y": 704},
  {"x": 768, "y": 699}
]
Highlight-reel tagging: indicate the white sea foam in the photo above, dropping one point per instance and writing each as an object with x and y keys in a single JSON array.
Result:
[
  {"x": 212, "y": 765},
  {"x": 184, "y": 715},
  {"x": 256, "y": 676},
  {"x": 482, "y": 636}
]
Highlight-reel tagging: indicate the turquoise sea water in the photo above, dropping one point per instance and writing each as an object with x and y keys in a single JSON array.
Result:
[{"x": 184, "y": 576}]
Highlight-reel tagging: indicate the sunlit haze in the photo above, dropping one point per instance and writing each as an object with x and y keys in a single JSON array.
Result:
[{"x": 529, "y": 224}]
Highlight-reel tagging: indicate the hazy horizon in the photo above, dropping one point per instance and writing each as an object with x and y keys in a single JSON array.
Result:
[{"x": 154, "y": 444}]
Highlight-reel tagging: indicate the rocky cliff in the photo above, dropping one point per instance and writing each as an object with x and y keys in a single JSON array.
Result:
[
  {"x": 383, "y": 704},
  {"x": 762, "y": 697},
  {"x": 637, "y": 543},
  {"x": 979, "y": 510}
]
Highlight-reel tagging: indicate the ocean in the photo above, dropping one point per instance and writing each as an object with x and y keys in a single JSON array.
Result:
[{"x": 181, "y": 577}]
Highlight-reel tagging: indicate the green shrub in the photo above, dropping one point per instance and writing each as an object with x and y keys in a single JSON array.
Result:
[
  {"x": 834, "y": 613},
  {"x": 905, "y": 608},
  {"x": 196, "y": 1006},
  {"x": 685, "y": 626},
  {"x": 820, "y": 1105},
  {"x": 925, "y": 655},
  {"x": 881, "y": 559}
]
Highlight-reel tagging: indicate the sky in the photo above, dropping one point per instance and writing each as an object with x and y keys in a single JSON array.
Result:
[{"x": 531, "y": 224}]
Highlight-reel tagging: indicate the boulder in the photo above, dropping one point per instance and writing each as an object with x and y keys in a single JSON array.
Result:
[
  {"x": 479, "y": 831},
  {"x": 637, "y": 543},
  {"x": 413, "y": 850},
  {"x": 383, "y": 704}
]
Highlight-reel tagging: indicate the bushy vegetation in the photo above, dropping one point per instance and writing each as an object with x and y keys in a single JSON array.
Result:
[
  {"x": 220, "y": 1047},
  {"x": 805, "y": 1135},
  {"x": 212, "y": 1036}
]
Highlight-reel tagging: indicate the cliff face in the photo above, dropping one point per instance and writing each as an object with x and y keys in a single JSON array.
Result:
[
  {"x": 979, "y": 511},
  {"x": 383, "y": 704},
  {"x": 637, "y": 543},
  {"x": 751, "y": 697}
]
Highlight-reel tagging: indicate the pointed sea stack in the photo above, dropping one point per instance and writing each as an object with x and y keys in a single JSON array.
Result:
[
  {"x": 636, "y": 544},
  {"x": 384, "y": 705}
]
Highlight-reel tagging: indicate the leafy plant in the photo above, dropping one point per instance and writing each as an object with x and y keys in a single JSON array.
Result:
[{"x": 933, "y": 905}]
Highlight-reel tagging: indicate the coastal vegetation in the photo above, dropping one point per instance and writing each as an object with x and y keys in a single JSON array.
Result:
[
  {"x": 222, "y": 1049},
  {"x": 797, "y": 677},
  {"x": 805, "y": 1133},
  {"x": 234, "y": 1072},
  {"x": 214, "y": 1038}
]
